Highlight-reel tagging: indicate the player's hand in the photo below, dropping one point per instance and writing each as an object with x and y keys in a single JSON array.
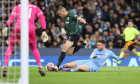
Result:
[
  {"x": 125, "y": 56},
  {"x": 44, "y": 36},
  {"x": 5, "y": 31},
  {"x": 94, "y": 57}
]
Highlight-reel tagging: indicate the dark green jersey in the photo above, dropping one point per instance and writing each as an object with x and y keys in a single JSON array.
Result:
[{"x": 72, "y": 23}]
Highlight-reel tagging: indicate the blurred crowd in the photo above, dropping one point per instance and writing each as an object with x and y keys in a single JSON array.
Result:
[{"x": 107, "y": 20}]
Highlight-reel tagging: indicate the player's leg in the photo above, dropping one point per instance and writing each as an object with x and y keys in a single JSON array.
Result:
[
  {"x": 76, "y": 64},
  {"x": 66, "y": 46},
  {"x": 68, "y": 65},
  {"x": 36, "y": 54},
  {"x": 135, "y": 52},
  {"x": 71, "y": 50},
  {"x": 76, "y": 47},
  {"x": 8, "y": 53},
  {"x": 80, "y": 68},
  {"x": 83, "y": 68},
  {"x": 122, "y": 53}
]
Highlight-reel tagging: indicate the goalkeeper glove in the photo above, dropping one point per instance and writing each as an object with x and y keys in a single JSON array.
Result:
[
  {"x": 44, "y": 36},
  {"x": 5, "y": 31}
]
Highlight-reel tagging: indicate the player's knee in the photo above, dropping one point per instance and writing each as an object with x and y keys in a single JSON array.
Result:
[
  {"x": 135, "y": 53},
  {"x": 67, "y": 65},
  {"x": 70, "y": 53},
  {"x": 64, "y": 49},
  {"x": 80, "y": 68},
  {"x": 123, "y": 50}
]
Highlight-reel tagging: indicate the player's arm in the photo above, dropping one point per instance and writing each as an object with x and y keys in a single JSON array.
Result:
[
  {"x": 137, "y": 37},
  {"x": 41, "y": 17},
  {"x": 74, "y": 16},
  {"x": 82, "y": 20},
  {"x": 9, "y": 22},
  {"x": 123, "y": 34},
  {"x": 93, "y": 54},
  {"x": 112, "y": 55}
]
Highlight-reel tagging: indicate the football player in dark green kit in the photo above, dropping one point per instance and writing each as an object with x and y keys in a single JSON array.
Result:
[{"x": 73, "y": 33}]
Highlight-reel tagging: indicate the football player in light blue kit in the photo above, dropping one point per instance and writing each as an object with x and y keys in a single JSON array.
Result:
[{"x": 97, "y": 59}]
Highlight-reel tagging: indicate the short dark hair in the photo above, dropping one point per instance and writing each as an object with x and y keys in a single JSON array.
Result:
[
  {"x": 130, "y": 21},
  {"x": 101, "y": 41}
]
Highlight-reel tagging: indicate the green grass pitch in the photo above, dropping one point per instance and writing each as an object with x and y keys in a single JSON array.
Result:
[{"x": 107, "y": 75}]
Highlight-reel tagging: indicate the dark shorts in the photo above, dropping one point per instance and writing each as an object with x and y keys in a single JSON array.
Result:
[
  {"x": 74, "y": 38},
  {"x": 131, "y": 47}
]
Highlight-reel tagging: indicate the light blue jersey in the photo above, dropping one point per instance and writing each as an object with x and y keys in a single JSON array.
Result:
[{"x": 96, "y": 63}]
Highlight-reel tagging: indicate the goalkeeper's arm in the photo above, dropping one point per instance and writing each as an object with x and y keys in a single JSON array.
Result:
[{"x": 5, "y": 31}]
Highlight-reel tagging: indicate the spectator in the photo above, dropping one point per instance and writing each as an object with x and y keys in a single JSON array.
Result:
[
  {"x": 110, "y": 45},
  {"x": 128, "y": 10},
  {"x": 119, "y": 43},
  {"x": 91, "y": 5},
  {"x": 105, "y": 36}
]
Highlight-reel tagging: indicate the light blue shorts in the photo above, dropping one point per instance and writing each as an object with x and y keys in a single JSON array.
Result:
[{"x": 87, "y": 63}]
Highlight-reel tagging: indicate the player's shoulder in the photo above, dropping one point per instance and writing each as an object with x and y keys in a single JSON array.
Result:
[
  {"x": 72, "y": 14},
  {"x": 95, "y": 49},
  {"x": 126, "y": 28},
  {"x": 107, "y": 50},
  {"x": 18, "y": 6},
  {"x": 33, "y": 6}
]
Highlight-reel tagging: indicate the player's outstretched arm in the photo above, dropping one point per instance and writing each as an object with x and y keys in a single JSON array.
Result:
[
  {"x": 82, "y": 20},
  {"x": 125, "y": 56}
]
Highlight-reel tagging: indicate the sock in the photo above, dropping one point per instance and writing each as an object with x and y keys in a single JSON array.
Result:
[
  {"x": 61, "y": 67},
  {"x": 74, "y": 70},
  {"x": 8, "y": 54},
  {"x": 138, "y": 53},
  {"x": 61, "y": 58},
  {"x": 76, "y": 48},
  {"x": 121, "y": 55}
]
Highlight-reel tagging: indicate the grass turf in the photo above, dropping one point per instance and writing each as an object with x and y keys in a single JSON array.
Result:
[{"x": 107, "y": 75}]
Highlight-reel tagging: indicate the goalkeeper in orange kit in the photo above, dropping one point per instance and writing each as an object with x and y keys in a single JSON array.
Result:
[{"x": 130, "y": 34}]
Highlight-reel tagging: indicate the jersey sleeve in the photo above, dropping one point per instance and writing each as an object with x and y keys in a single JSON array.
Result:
[
  {"x": 112, "y": 55},
  {"x": 40, "y": 15},
  {"x": 12, "y": 16},
  {"x": 93, "y": 53},
  {"x": 74, "y": 16}
]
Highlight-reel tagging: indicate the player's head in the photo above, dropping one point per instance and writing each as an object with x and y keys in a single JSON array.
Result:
[
  {"x": 130, "y": 23},
  {"x": 101, "y": 45},
  {"x": 62, "y": 12}
]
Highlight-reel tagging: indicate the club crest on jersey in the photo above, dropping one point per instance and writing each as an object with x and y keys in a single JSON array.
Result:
[{"x": 68, "y": 18}]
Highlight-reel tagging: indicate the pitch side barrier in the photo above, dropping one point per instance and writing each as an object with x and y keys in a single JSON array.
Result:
[{"x": 52, "y": 54}]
